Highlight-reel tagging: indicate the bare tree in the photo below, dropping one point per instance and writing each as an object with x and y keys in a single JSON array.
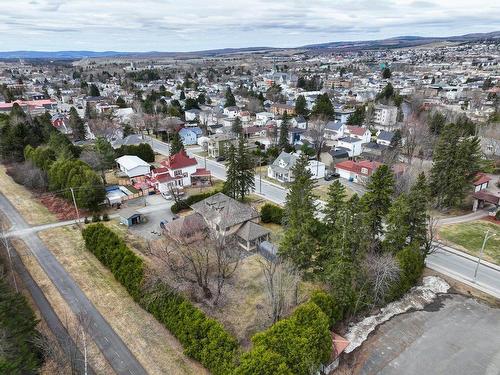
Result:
[
  {"x": 282, "y": 280},
  {"x": 227, "y": 253},
  {"x": 383, "y": 270},
  {"x": 430, "y": 246},
  {"x": 6, "y": 245},
  {"x": 105, "y": 127},
  {"x": 316, "y": 133}
]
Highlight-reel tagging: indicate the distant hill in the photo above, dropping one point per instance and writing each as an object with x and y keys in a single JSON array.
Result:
[{"x": 396, "y": 42}]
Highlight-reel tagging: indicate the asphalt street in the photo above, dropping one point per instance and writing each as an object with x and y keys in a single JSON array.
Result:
[
  {"x": 445, "y": 260},
  {"x": 113, "y": 348}
]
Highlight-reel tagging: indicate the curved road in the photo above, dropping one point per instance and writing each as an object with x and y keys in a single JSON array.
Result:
[{"x": 111, "y": 345}]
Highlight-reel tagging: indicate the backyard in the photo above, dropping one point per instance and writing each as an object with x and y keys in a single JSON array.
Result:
[{"x": 469, "y": 238}]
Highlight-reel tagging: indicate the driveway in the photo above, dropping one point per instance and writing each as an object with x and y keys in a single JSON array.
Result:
[{"x": 454, "y": 335}]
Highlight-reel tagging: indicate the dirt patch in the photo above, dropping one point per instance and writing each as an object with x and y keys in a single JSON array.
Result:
[{"x": 155, "y": 348}]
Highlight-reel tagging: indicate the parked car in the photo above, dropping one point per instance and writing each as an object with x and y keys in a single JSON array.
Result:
[
  {"x": 331, "y": 176},
  {"x": 220, "y": 158}
]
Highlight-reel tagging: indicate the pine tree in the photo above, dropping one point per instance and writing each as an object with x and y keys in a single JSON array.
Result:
[
  {"x": 323, "y": 107},
  {"x": 176, "y": 144},
  {"x": 230, "y": 100},
  {"x": 300, "y": 240},
  {"x": 335, "y": 204},
  {"x": 246, "y": 176},
  {"x": 301, "y": 106},
  {"x": 397, "y": 223},
  {"x": 456, "y": 161},
  {"x": 76, "y": 124},
  {"x": 236, "y": 127},
  {"x": 418, "y": 201},
  {"x": 231, "y": 187},
  {"x": 283, "y": 138},
  {"x": 377, "y": 199}
]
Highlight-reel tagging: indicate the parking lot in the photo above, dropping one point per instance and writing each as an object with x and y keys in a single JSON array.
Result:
[{"x": 454, "y": 335}]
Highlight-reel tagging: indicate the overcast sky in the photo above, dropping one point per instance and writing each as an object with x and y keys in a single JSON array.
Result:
[{"x": 189, "y": 25}]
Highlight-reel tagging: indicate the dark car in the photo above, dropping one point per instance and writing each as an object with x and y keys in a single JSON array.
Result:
[
  {"x": 332, "y": 175},
  {"x": 220, "y": 158}
]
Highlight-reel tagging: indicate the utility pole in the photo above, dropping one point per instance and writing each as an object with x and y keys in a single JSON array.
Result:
[
  {"x": 76, "y": 207},
  {"x": 487, "y": 236},
  {"x": 260, "y": 175}
]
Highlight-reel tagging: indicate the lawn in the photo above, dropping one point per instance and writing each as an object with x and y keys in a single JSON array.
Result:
[
  {"x": 21, "y": 198},
  {"x": 155, "y": 348},
  {"x": 469, "y": 237},
  {"x": 321, "y": 192}
]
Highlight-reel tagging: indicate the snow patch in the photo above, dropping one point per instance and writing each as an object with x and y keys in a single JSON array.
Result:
[{"x": 417, "y": 298}]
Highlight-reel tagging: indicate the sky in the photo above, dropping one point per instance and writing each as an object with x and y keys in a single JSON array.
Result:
[{"x": 192, "y": 25}]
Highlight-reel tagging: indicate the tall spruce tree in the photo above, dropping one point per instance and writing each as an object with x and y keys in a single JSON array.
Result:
[
  {"x": 377, "y": 199},
  {"x": 246, "y": 176},
  {"x": 283, "y": 138},
  {"x": 335, "y": 204},
  {"x": 456, "y": 161},
  {"x": 176, "y": 144},
  {"x": 236, "y": 126},
  {"x": 231, "y": 187},
  {"x": 301, "y": 106},
  {"x": 299, "y": 242},
  {"x": 77, "y": 125},
  {"x": 230, "y": 100}
]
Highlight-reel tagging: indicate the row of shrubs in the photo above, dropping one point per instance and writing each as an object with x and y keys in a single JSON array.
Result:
[
  {"x": 203, "y": 338},
  {"x": 184, "y": 204},
  {"x": 270, "y": 213},
  {"x": 96, "y": 218}
]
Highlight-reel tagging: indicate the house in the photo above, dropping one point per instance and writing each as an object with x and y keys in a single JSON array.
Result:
[
  {"x": 358, "y": 132},
  {"x": 188, "y": 136},
  {"x": 132, "y": 166},
  {"x": 129, "y": 216},
  {"x": 244, "y": 116},
  {"x": 228, "y": 216},
  {"x": 231, "y": 112},
  {"x": 262, "y": 118},
  {"x": 192, "y": 114},
  {"x": 353, "y": 146},
  {"x": 385, "y": 117},
  {"x": 61, "y": 123},
  {"x": 218, "y": 144},
  {"x": 300, "y": 122},
  {"x": 334, "y": 130},
  {"x": 178, "y": 170},
  {"x": 132, "y": 139},
  {"x": 295, "y": 135},
  {"x": 384, "y": 137},
  {"x": 281, "y": 168},
  {"x": 343, "y": 115},
  {"x": 356, "y": 171},
  {"x": 280, "y": 109},
  {"x": 481, "y": 182}
]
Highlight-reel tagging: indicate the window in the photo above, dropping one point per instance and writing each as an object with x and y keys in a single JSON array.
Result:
[
  {"x": 364, "y": 171},
  {"x": 178, "y": 172}
]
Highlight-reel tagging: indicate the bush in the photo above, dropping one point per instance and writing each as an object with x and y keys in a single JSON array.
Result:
[
  {"x": 203, "y": 338},
  {"x": 186, "y": 203},
  {"x": 497, "y": 215},
  {"x": 105, "y": 217},
  {"x": 96, "y": 218},
  {"x": 298, "y": 344},
  {"x": 86, "y": 220},
  {"x": 270, "y": 213}
]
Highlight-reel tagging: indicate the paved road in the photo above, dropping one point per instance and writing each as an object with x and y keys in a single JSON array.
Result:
[
  {"x": 113, "y": 348},
  {"x": 446, "y": 260},
  {"x": 464, "y": 218}
]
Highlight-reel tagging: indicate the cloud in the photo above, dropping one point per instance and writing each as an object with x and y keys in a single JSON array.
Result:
[{"x": 171, "y": 25}]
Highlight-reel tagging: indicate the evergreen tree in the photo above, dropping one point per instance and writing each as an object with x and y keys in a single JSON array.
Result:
[
  {"x": 176, "y": 144},
  {"x": 377, "y": 199},
  {"x": 230, "y": 100},
  {"x": 283, "y": 139},
  {"x": 182, "y": 95},
  {"x": 436, "y": 122},
  {"x": 301, "y": 106},
  {"x": 323, "y": 107},
  {"x": 93, "y": 90},
  {"x": 418, "y": 202},
  {"x": 246, "y": 176},
  {"x": 335, "y": 204},
  {"x": 358, "y": 117},
  {"x": 77, "y": 125},
  {"x": 236, "y": 126},
  {"x": 231, "y": 186},
  {"x": 456, "y": 161},
  {"x": 299, "y": 241},
  {"x": 397, "y": 223},
  {"x": 120, "y": 102},
  {"x": 386, "y": 73}
]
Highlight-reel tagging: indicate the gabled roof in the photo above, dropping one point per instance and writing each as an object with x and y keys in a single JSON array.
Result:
[
  {"x": 179, "y": 160},
  {"x": 357, "y": 130},
  {"x": 350, "y": 140},
  {"x": 385, "y": 136},
  {"x": 481, "y": 178},
  {"x": 353, "y": 166},
  {"x": 131, "y": 161},
  {"x": 333, "y": 125},
  {"x": 251, "y": 231}
]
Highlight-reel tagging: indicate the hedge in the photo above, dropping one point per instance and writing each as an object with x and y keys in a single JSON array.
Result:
[
  {"x": 203, "y": 338},
  {"x": 270, "y": 213},
  {"x": 186, "y": 203}
]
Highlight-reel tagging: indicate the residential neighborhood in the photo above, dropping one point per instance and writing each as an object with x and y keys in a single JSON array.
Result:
[{"x": 302, "y": 209}]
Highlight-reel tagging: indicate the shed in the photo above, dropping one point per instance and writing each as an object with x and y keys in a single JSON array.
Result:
[{"x": 129, "y": 217}]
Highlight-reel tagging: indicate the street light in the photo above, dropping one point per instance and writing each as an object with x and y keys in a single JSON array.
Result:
[{"x": 487, "y": 236}]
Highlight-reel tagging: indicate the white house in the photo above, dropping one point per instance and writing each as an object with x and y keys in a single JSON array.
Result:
[
  {"x": 352, "y": 145},
  {"x": 361, "y": 133},
  {"x": 384, "y": 137},
  {"x": 280, "y": 169},
  {"x": 334, "y": 130},
  {"x": 262, "y": 118},
  {"x": 231, "y": 112},
  {"x": 133, "y": 166},
  {"x": 342, "y": 115},
  {"x": 385, "y": 116},
  {"x": 192, "y": 114}
]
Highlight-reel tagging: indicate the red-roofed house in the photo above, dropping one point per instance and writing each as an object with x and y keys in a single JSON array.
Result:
[
  {"x": 481, "y": 182},
  {"x": 359, "y": 171},
  {"x": 178, "y": 170},
  {"x": 358, "y": 132}
]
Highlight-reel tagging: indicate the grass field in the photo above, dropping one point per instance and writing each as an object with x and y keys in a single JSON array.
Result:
[
  {"x": 155, "y": 348},
  {"x": 321, "y": 191},
  {"x": 33, "y": 212},
  {"x": 469, "y": 237}
]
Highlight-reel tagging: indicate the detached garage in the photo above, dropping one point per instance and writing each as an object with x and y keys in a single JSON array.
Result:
[{"x": 133, "y": 166}]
